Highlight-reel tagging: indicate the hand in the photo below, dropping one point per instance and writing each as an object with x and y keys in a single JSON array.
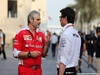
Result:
[
  {"x": 35, "y": 53},
  {"x": 47, "y": 37}
]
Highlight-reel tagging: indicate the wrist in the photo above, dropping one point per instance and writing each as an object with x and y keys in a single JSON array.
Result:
[
  {"x": 47, "y": 44},
  {"x": 29, "y": 54}
]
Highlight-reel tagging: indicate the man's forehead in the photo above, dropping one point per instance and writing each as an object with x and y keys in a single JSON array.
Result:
[{"x": 36, "y": 15}]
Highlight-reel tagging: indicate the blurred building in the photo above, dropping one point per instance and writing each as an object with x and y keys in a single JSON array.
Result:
[
  {"x": 13, "y": 15},
  {"x": 54, "y": 29},
  {"x": 87, "y": 27}
]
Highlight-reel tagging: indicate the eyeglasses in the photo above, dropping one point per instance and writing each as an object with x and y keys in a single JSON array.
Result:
[{"x": 62, "y": 17}]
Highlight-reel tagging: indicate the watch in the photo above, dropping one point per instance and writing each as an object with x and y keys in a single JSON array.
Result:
[{"x": 29, "y": 54}]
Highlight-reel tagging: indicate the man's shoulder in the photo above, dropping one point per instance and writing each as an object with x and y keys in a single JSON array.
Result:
[
  {"x": 21, "y": 31},
  {"x": 70, "y": 31}
]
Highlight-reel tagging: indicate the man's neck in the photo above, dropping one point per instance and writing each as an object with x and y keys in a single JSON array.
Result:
[{"x": 32, "y": 28}]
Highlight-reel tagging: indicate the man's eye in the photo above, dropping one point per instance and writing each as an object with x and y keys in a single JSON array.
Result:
[{"x": 38, "y": 19}]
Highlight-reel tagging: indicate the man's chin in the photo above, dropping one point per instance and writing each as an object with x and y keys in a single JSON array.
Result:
[{"x": 38, "y": 26}]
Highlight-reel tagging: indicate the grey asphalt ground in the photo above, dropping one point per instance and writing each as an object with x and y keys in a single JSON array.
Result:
[{"x": 9, "y": 66}]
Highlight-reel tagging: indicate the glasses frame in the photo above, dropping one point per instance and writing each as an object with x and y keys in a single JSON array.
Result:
[{"x": 62, "y": 17}]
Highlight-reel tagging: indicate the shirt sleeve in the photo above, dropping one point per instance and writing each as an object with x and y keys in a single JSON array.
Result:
[
  {"x": 17, "y": 44},
  {"x": 43, "y": 38},
  {"x": 65, "y": 49}
]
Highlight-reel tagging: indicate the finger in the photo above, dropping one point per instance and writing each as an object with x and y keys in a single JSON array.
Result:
[{"x": 38, "y": 52}]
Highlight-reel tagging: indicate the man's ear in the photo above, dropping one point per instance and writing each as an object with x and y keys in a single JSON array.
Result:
[
  {"x": 31, "y": 20},
  {"x": 66, "y": 20}
]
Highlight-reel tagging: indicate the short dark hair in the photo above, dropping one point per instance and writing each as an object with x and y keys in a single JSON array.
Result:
[{"x": 69, "y": 13}]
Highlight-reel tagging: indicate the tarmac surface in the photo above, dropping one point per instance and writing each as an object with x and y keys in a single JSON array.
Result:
[{"x": 9, "y": 66}]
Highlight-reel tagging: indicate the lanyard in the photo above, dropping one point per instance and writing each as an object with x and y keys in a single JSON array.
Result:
[{"x": 69, "y": 25}]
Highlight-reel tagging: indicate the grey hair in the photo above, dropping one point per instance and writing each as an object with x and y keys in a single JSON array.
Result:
[{"x": 31, "y": 15}]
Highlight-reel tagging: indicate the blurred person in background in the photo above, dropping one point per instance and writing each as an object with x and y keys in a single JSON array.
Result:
[
  {"x": 69, "y": 44},
  {"x": 2, "y": 42},
  {"x": 30, "y": 45},
  {"x": 98, "y": 50},
  {"x": 54, "y": 41},
  {"x": 82, "y": 51},
  {"x": 91, "y": 46},
  {"x": 0, "y": 45}
]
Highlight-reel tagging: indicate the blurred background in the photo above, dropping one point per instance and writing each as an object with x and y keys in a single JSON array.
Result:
[{"x": 13, "y": 15}]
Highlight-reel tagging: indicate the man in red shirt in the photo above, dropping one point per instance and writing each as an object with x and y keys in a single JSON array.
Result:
[{"x": 30, "y": 45}]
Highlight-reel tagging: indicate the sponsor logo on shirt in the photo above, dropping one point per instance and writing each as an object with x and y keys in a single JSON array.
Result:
[
  {"x": 15, "y": 41},
  {"x": 75, "y": 35},
  {"x": 27, "y": 37},
  {"x": 26, "y": 45},
  {"x": 63, "y": 42},
  {"x": 38, "y": 46},
  {"x": 40, "y": 39},
  {"x": 29, "y": 45}
]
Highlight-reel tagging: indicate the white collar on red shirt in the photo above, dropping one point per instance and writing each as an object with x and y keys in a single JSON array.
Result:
[
  {"x": 66, "y": 26},
  {"x": 27, "y": 28}
]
